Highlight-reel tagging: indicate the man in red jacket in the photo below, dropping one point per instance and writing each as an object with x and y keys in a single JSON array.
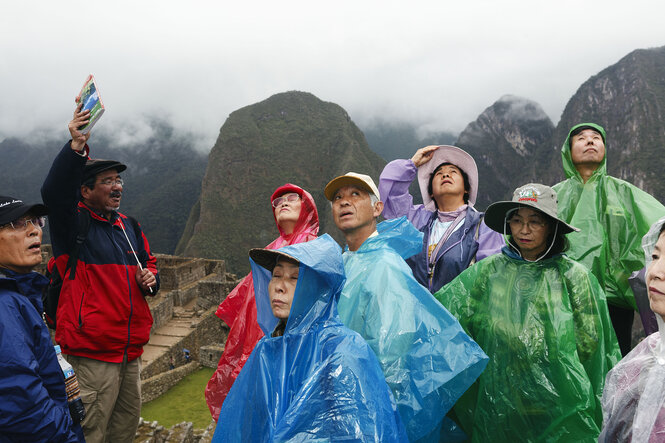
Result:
[{"x": 103, "y": 319}]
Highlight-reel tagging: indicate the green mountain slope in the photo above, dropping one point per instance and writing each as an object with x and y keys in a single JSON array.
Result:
[{"x": 291, "y": 137}]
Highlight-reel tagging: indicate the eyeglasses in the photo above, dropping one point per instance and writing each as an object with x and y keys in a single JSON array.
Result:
[
  {"x": 112, "y": 181},
  {"x": 291, "y": 197},
  {"x": 22, "y": 223},
  {"x": 534, "y": 225}
]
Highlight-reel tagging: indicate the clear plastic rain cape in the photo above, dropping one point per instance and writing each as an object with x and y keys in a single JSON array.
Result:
[
  {"x": 612, "y": 215},
  {"x": 238, "y": 310},
  {"x": 427, "y": 358},
  {"x": 634, "y": 396},
  {"x": 546, "y": 328},
  {"x": 318, "y": 382}
]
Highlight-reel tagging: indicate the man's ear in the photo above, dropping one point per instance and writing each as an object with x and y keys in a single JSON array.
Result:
[
  {"x": 378, "y": 208},
  {"x": 85, "y": 191}
]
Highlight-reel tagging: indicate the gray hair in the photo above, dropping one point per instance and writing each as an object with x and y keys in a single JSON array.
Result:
[{"x": 372, "y": 198}]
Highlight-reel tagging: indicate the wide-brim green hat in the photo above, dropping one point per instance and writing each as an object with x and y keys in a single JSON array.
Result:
[{"x": 533, "y": 195}]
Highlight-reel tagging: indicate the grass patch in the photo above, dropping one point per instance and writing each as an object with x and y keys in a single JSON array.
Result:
[{"x": 183, "y": 402}]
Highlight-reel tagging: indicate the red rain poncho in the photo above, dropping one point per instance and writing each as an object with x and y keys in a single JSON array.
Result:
[{"x": 238, "y": 310}]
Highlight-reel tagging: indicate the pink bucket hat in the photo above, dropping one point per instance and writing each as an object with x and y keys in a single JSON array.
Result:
[{"x": 454, "y": 156}]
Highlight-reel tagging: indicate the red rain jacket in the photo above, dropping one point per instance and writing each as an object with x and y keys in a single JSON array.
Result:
[{"x": 102, "y": 313}]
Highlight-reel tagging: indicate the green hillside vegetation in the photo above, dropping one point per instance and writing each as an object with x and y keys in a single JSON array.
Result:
[
  {"x": 183, "y": 402},
  {"x": 289, "y": 138},
  {"x": 628, "y": 100},
  {"x": 162, "y": 180},
  {"x": 217, "y": 206}
]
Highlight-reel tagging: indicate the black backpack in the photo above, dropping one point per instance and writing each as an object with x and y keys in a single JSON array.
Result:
[{"x": 51, "y": 293}]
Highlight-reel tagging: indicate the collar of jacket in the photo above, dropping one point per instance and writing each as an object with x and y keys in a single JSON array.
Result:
[
  {"x": 95, "y": 216},
  {"x": 30, "y": 284}
]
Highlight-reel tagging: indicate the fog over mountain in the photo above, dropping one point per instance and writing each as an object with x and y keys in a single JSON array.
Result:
[
  {"x": 513, "y": 141},
  {"x": 431, "y": 64}
]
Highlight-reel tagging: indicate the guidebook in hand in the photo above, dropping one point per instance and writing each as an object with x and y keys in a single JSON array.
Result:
[{"x": 92, "y": 101}]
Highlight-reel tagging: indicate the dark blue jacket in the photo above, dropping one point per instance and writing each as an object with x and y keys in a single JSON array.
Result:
[
  {"x": 453, "y": 257},
  {"x": 33, "y": 403}
]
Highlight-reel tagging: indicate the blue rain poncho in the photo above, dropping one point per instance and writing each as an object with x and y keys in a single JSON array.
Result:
[
  {"x": 427, "y": 358},
  {"x": 320, "y": 380},
  {"x": 546, "y": 327}
]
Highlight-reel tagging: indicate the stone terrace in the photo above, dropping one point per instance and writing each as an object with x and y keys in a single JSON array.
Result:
[{"x": 184, "y": 318}]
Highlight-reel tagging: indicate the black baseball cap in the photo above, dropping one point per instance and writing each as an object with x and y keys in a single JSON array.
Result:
[
  {"x": 12, "y": 209},
  {"x": 94, "y": 167}
]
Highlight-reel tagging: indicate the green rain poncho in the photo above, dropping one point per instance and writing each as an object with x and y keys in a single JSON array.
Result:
[
  {"x": 613, "y": 216},
  {"x": 546, "y": 328}
]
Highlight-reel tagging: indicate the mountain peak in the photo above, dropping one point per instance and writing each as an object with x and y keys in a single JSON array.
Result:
[{"x": 291, "y": 137}]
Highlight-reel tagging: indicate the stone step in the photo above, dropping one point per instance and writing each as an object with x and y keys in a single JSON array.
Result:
[
  {"x": 151, "y": 352},
  {"x": 175, "y": 329},
  {"x": 165, "y": 340}
]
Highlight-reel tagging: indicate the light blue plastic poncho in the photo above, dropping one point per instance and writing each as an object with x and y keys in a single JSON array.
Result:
[
  {"x": 427, "y": 358},
  {"x": 319, "y": 381}
]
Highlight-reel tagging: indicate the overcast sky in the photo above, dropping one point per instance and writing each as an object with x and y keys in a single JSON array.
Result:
[{"x": 437, "y": 64}]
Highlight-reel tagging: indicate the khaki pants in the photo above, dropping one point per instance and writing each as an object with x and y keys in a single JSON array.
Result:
[{"x": 111, "y": 394}]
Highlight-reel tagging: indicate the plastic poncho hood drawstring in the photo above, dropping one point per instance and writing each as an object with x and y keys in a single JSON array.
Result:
[{"x": 319, "y": 381}]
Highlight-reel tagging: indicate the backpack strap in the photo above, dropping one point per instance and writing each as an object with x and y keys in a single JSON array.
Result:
[{"x": 84, "y": 221}]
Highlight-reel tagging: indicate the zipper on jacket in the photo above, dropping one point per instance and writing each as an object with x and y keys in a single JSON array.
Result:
[
  {"x": 129, "y": 283},
  {"x": 81, "y": 311},
  {"x": 432, "y": 266}
]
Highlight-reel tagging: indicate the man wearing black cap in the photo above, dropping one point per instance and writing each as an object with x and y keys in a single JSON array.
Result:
[
  {"x": 613, "y": 216},
  {"x": 103, "y": 319}
]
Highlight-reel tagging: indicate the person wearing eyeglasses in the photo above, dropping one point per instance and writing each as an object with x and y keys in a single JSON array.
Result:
[
  {"x": 297, "y": 221},
  {"x": 33, "y": 402},
  {"x": 103, "y": 319},
  {"x": 542, "y": 319}
]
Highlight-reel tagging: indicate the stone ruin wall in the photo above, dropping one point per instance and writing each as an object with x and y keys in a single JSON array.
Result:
[{"x": 190, "y": 289}]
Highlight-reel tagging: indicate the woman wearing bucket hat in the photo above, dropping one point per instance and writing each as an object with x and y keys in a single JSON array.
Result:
[
  {"x": 542, "y": 319},
  {"x": 297, "y": 220},
  {"x": 454, "y": 233},
  {"x": 634, "y": 395},
  {"x": 310, "y": 378}
]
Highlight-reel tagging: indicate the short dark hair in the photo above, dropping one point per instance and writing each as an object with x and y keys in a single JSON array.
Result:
[
  {"x": 561, "y": 243},
  {"x": 90, "y": 182},
  {"x": 467, "y": 185}
]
